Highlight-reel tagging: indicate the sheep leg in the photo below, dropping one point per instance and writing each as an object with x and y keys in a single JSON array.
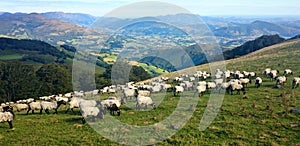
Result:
[
  {"x": 55, "y": 111},
  {"x": 41, "y": 110},
  {"x": 47, "y": 111},
  {"x": 68, "y": 110},
  {"x": 28, "y": 111},
  {"x": 32, "y": 111},
  {"x": 10, "y": 124}
]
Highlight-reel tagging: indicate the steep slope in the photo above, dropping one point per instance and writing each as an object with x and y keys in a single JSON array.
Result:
[{"x": 251, "y": 46}]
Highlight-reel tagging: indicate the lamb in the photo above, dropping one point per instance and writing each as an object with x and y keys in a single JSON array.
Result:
[
  {"x": 280, "y": 80},
  {"x": 54, "y": 105},
  {"x": 288, "y": 72},
  {"x": 7, "y": 115},
  {"x": 143, "y": 100},
  {"x": 21, "y": 106},
  {"x": 295, "y": 82},
  {"x": 258, "y": 82},
  {"x": 178, "y": 89}
]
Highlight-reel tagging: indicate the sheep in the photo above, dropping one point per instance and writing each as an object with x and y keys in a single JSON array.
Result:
[
  {"x": 280, "y": 80},
  {"x": 127, "y": 92},
  {"x": 287, "y": 72},
  {"x": 114, "y": 108},
  {"x": 178, "y": 89},
  {"x": 57, "y": 98},
  {"x": 273, "y": 74},
  {"x": 34, "y": 106},
  {"x": 144, "y": 100},
  {"x": 74, "y": 103},
  {"x": 110, "y": 101},
  {"x": 211, "y": 85},
  {"x": 200, "y": 89},
  {"x": 245, "y": 82},
  {"x": 21, "y": 106},
  {"x": 295, "y": 82},
  {"x": 7, "y": 115},
  {"x": 238, "y": 87},
  {"x": 90, "y": 109},
  {"x": 258, "y": 82},
  {"x": 54, "y": 105},
  {"x": 267, "y": 71},
  {"x": 143, "y": 93}
]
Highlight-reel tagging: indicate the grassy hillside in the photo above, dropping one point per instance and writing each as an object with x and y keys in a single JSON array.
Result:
[{"x": 258, "y": 118}]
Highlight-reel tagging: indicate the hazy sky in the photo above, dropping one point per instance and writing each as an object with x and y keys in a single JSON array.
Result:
[{"x": 202, "y": 7}]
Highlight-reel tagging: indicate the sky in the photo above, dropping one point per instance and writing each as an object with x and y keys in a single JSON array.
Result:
[{"x": 201, "y": 7}]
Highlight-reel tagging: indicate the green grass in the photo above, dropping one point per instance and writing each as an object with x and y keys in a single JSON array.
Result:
[
  {"x": 242, "y": 120},
  {"x": 10, "y": 57}
]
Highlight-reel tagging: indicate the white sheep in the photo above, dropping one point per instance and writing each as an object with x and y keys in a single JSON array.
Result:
[
  {"x": 7, "y": 115},
  {"x": 200, "y": 90},
  {"x": 178, "y": 90},
  {"x": 34, "y": 106},
  {"x": 127, "y": 92},
  {"x": 21, "y": 106},
  {"x": 245, "y": 81},
  {"x": 258, "y": 82},
  {"x": 211, "y": 85},
  {"x": 236, "y": 87},
  {"x": 267, "y": 71},
  {"x": 143, "y": 100},
  {"x": 280, "y": 80},
  {"x": 110, "y": 101},
  {"x": 74, "y": 103},
  {"x": 144, "y": 93},
  {"x": 288, "y": 72},
  {"x": 54, "y": 105},
  {"x": 295, "y": 82}
]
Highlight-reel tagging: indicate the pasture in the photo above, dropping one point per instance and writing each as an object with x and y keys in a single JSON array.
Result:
[{"x": 260, "y": 117}]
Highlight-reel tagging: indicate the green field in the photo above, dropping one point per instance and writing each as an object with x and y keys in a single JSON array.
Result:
[
  {"x": 257, "y": 118},
  {"x": 10, "y": 57}
]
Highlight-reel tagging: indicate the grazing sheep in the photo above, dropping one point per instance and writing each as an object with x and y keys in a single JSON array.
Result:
[
  {"x": 178, "y": 90},
  {"x": 34, "y": 106},
  {"x": 236, "y": 87},
  {"x": 54, "y": 105},
  {"x": 273, "y": 74},
  {"x": 267, "y": 71},
  {"x": 110, "y": 101},
  {"x": 245, "y": 82},
  {"x": 258, "y": 82},
  {"x": 21, "y": 106},
  {"x": 287, "y": 72},
  {"x": 7, "y": 115},
  {"x": 143, "y": 100},
  {"x": 114, "y": 108},
  {"x": 295, "y": 82},
  {"x": 91, "y": 109},
  {"x": 200, "y": 90},
  {"x": 280, "y": 80}
]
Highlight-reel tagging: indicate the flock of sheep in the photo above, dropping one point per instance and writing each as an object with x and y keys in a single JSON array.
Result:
[{"x": 200, "y": 82}]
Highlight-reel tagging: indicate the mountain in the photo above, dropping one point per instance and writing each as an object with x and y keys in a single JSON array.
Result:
[
  {"x": 75, "y": 18},
  {"x": 36, "y": 26},
  {"x": 252, "y": 46}
]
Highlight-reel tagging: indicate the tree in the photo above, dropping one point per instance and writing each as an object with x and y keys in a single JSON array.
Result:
[
  {"x": 54, "y": 79},
  {"x": 17, "y": 81}
]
